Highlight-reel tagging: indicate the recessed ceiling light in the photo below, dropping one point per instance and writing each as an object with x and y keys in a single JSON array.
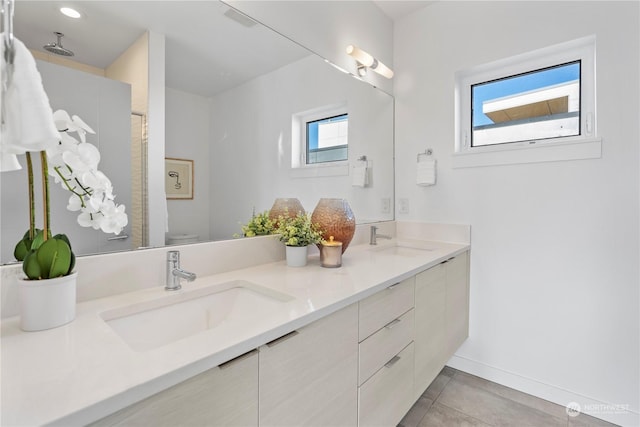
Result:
[{"x": 71, "y": 13}]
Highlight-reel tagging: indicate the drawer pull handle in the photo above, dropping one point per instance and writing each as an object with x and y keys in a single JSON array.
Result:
[
  {"x": 237, "y": 359},
  {"x": 123, "y": 237},
  {"x": 392, "y": 323},
  {"x": 392, "y": 362},
  {"x": 393, "y": 286},
  {"x": 282, "y": 338}
]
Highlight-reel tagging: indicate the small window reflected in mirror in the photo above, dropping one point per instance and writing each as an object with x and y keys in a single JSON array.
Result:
[{"x": 327, "y": 139}]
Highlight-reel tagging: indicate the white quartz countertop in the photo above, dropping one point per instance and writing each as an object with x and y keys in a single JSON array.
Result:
[{"x": 81, "y": 372}]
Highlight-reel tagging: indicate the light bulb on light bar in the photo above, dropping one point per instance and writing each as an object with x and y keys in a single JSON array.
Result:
[
  {"x": 382, "y": 69},
  {"x": 369, "y": 61},
  {"x": 360, "y": 55},
  {"x": 71, "y": 13}
]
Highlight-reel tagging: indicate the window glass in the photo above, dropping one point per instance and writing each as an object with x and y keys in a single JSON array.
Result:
[
  {"x": 327, "y": 139},
  {"x": 539, "y": 104}
]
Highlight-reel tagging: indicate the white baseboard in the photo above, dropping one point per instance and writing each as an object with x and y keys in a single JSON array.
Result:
[{"x": 614, "y": 413}]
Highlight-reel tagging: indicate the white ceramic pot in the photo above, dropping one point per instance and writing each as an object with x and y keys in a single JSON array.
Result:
[
  {"x": 47, "y": 304},
  {"x": 297, "y": 256}
]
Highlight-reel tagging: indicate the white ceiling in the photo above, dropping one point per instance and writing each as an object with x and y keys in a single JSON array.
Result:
[
  {"x": 396, "y": 9},
  {"x": 206, "y": 52}
]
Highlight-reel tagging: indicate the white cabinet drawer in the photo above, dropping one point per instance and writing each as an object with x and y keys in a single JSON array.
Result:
[
  {"x": 385, "y": 306},
  {"x": 380, "y": 347},
  {"x": 387, "y": 396}
]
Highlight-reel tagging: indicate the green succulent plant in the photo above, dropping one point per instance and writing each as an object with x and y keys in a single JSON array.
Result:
[
  {"x": 299, "y": 230},
  {"x": 259, "y": 225}
]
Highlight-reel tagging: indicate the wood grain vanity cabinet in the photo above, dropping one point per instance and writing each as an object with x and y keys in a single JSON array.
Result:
[
  {"x": 441, "y": 317},
  {"x": 310, "y": 377},
  {"x": 386, "y": 354},
  {"x": 457, "y": 302},
  {"x": 430, "y": 330},
  {"x": 226, "y": 395},
  {"x": 364, "y": 365}
]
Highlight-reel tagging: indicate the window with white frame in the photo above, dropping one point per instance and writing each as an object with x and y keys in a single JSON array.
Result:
[
  {"x": 327, "y": 139},
  {"x": 538, "y": 106},
  {"x": 320, "y": 142}
]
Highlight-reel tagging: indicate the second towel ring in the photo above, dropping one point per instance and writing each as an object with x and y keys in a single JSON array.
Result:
[{"x": 427, "y": 152}]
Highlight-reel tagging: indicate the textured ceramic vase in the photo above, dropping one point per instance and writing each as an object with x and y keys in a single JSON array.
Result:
[
  {"x": 47, "y": 304},
  {"x": 297, "y": 256},
  {"x": 285, "y": 207},
  {"x": 335, "y": 218}
]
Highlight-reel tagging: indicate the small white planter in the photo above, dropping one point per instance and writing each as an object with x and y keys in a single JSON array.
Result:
[
  {"x": 296, "y": 256},
  {"x": 47, "y": 304}
]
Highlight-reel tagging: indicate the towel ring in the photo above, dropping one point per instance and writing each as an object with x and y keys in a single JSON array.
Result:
[{"x": 427, "y": 152}]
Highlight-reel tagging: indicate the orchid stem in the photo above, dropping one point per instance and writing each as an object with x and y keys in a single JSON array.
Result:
[
  {"x": 45, "y": 194},
  {"x": 72, "y": 189},
  {"x": 86, "y": 191},
  {"x": 32, "y": 208}
]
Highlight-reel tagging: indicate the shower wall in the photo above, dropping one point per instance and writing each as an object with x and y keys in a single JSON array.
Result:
[{"x": 103, "y": 104}]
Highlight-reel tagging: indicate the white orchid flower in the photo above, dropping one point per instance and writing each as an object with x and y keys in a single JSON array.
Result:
[
  {"x": 75, "y": 203},
  {"x": 74, "y": 164},
  {"x": 62, "y": 120},
  {"x": 65, "y": 123},
  {"x": 98, "y": 181},
  {"x": 87, "y": 219},
  {"x": 81, "y": 128},
  {"x": 86, "y": 158},
  {"x": 114, "y": 220}
]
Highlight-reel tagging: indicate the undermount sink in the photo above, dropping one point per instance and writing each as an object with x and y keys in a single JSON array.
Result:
[
  {"x": 152, "y": 324},
  {"x": 402, "y": 249}
]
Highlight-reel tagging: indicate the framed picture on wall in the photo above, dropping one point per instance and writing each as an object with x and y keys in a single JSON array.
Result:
[{"x": 178, "y": 178}]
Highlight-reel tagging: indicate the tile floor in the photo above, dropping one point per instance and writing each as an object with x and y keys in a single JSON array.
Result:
[{"x": 456, "y": 398}]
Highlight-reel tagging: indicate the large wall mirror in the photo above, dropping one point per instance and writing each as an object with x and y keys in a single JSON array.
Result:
[{"x": 236, "y": 97}]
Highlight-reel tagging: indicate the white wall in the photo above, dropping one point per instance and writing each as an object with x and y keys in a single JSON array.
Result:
[
  {"x": 555, "y": 247},
  {"x": 157, "y": 203},
  {"x": 251, "y": 137},
  {"x": 328, "y": 27},
  {"x": 187, "y": 137}
]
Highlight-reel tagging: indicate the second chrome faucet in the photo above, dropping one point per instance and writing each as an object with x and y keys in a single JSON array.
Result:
[
  {"x": 373, "y": 239},
  {"x": 175, "y": 273}
]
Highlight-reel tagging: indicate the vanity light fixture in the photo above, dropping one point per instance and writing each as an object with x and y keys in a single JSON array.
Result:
[
  {"x": 365, "y": 61},
  {"x": 71, "y": 13}
]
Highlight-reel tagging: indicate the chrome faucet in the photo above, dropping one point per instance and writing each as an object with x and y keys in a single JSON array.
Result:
[
  {"x": 373, "y": 239},
  {"x": 174, "y": 272}
]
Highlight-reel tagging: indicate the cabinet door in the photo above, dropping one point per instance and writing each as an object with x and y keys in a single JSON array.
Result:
[
  {"x": 310, "y": 377},
  {"x": 457, "y": 304},
  {"x": 223, "y": 396},
  {"x": 430, "y": 339}
]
